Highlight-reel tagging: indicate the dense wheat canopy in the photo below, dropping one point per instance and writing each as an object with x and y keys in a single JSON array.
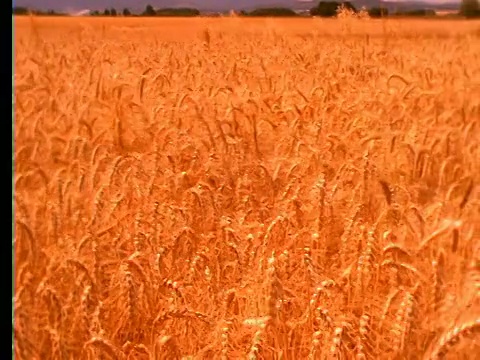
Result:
[{"x": 246, "y": 189}]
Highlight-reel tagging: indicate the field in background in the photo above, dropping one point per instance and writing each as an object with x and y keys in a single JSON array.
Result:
[{"x": 246, "y": 188}]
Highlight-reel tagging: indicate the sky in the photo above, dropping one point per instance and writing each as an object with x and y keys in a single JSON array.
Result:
[{"x": 76, "y": 5}]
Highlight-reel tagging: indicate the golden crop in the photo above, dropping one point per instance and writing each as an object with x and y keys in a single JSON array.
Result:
[{"x": 243, "y": 188}]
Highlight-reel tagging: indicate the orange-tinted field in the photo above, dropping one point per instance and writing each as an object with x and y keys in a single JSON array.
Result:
[{"x": 246, "y": 189}]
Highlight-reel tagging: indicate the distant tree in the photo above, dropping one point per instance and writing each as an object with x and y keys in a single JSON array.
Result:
[
  {"x": 377, "y": 12},
  {"x": 20, "y": 10},
  {"x": 470, "y": 8},
  {"x": 180, "y": 12},
  {"x": 277, "y": 12},
  {"x": 416, "y": 13},
  {"x": 329, "y": 8},
  {"x": 126, "y": 12},
  {"x": 106, "y": 12},
  {"x": 113, "y": 12},
  {"x": 349, "y": 6},
  {"x": 325, "y": 9},
  {"x": 149, "y": 11},
  {"x": 94, "y": 13}
]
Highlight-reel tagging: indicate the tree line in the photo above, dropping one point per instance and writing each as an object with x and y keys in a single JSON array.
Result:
[
  {"x": 150, "y": 12},
  {"x": 468, "y": 8},
  {"x": 22, "y": 10}
]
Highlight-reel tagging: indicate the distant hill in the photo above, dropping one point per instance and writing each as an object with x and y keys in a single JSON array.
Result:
[{"x": 220, "y": 5}]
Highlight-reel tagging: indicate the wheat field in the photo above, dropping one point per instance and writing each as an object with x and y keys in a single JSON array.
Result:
[{"x": 246, "y": 189}]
